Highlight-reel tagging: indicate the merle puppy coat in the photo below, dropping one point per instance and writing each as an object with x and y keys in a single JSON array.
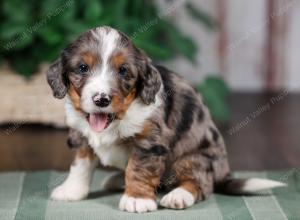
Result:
[{"x": 143, "y": 119}]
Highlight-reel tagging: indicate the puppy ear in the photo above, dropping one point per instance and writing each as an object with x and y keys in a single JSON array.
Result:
[
  {"x": 150, "y": 83},
  {"x": 56, "y": 79}
]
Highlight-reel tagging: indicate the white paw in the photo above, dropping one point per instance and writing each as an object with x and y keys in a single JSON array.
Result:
[
  {"x": 139, "y": 205},
  {"x": 67, "y": 192},
  {"x": 178, "y": 198}
]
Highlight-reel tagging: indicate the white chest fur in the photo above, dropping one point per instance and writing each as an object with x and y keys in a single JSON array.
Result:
[{"x": 107, "y": 144}]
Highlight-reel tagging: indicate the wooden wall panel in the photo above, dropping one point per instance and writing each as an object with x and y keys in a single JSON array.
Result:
[
  {"x": 278, "y": 13},
  {"x": 293, "y": 49},
  {"x": 256, "y": 48},
  {"x": 247, "y": 30}
]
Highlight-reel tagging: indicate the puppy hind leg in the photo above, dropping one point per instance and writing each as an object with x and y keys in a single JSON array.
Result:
[{"x": 194, "y": 181}]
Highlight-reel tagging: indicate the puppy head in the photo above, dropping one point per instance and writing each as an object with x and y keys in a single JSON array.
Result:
[{"x": 103, "y": 72}]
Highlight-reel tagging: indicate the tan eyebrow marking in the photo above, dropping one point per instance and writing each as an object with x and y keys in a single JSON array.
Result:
[
  {"x": 118, "y": 59},
  {"x": 90, "y": 59}
]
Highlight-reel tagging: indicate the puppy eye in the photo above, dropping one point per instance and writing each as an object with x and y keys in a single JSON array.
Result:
[
  {"x": 122, "y": 71},
  {"x": 83, "y": 68}
]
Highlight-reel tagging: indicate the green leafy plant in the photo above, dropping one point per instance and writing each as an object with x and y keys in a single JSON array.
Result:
[
  {"x": 35, "y": 31},
  {"x": 215, "y": 92}
]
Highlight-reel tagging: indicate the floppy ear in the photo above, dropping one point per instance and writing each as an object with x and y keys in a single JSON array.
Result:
[
  {"x": 150, "y": 83},
  {"x": 56, "y": 80}
]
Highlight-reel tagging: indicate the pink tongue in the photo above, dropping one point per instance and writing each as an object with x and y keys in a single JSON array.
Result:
[{"x": 98, "y": 121}]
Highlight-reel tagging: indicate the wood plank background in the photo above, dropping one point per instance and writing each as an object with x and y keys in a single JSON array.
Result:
[{"x": 256, "y": 47}]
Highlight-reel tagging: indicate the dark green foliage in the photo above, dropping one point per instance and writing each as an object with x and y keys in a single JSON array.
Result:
[
  {"x": 201, "y": 16},
  {"x": 215, "y": 93},
  {"x": 34, "y": 31}
]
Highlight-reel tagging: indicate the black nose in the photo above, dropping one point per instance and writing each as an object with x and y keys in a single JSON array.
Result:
[{"x": 101, "y": 100}]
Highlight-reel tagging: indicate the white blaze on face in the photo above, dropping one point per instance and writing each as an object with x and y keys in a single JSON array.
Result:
[{"x": 102, "y": 78}]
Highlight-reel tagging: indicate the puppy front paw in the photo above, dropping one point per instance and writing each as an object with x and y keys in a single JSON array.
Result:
[
  {"x": 139, "y": 205},
  {"x": 178, "y": 198},
  {"x": 66, "y": 192}
]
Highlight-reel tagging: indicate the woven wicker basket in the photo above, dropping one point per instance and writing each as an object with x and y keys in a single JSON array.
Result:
[{"x": 28, "y": 101}]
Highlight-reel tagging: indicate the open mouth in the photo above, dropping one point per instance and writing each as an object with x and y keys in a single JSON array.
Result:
[{"x": 100, "y": 121}]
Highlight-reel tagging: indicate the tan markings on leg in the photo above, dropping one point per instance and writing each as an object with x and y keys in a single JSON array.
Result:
[
  {"x": 191, "y": 187},
  {"x": 140, "y": 184},
  {"x": 85, "y": 152},
  {"x": 121, "y": 104},
  {"x": 186, "y": 178},
  {"x": 75, "y": 98}
]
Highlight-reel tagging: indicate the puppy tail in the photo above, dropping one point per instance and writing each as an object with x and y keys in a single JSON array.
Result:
[{"x": 247, "y": 186}]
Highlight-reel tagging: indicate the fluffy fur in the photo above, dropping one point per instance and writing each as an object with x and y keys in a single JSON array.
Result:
[{"x": 158, "y": 131}]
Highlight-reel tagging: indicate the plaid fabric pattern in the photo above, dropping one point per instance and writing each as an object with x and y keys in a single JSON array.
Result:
[{"x": 25, "y": 195}]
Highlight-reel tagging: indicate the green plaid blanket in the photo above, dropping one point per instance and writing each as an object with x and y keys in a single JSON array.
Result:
[{"x": 25, "y": 196}]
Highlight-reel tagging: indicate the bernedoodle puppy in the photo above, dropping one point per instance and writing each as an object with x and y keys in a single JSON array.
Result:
[{"x": 143, "y": 119}]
